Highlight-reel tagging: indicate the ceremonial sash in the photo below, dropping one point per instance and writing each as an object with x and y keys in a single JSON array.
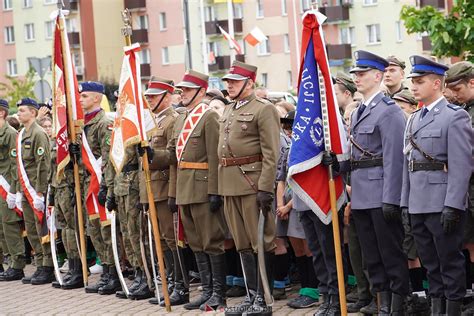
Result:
[
  {"x": 189, "y": 125},
  {"x": 93, "y": 166},
  {"x": 28, "y": 189},
  {"x": 5, "y": 192}
]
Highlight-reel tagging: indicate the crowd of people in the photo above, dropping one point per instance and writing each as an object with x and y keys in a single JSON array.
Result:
[{"x": 218, "y": 164}]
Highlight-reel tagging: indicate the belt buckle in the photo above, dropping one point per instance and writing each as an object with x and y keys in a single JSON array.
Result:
[{"x": 410, "y": 165}]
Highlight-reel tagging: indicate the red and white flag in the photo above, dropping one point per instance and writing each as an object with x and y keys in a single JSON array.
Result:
[
  {"x": 232, "y": 42},
  {"x": 255, "y": 36}
]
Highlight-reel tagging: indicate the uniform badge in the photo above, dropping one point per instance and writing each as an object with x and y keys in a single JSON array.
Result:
[
  {"x": 27, "y": 145},
  {"x": 244, "y": 127},
  {"x": 107, "y": 140},
  {"x": 40, "y": 151},
  {"x": 110, "y": 127},
  {"x": 13, "y": 152}
]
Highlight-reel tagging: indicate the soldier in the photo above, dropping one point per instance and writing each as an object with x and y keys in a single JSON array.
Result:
[
  {"x": 394, "y": 75},
  {"x": 248, "y": 151},
  {"x": 406, "y": 101},
  {"x": 376, "y": 160},
  {"x": 10, "y": 215},
  {"x": 440, "y": 173},
  {"x": 33, "y": 164},
  {"x": 345, "y": 89},
  {"x": 195, "y": 138}
]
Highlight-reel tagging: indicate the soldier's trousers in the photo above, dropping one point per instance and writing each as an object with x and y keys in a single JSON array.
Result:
[
  {"x": 35, "y": 230},
  {"x": 129, "y": 217},
  {"x": 358, "y": 264},
  {"x": 64, "y": 208},
  {"x": 14, "y": 244},
  {"x": 381, "y": 244},
  {"x": 241, "y": 214},
  {"x": 204, "y": 230},
  {"x": 101, "y": 238},
  {"x": 166, "y": 224},
  {"x": 441, "y": 255}
]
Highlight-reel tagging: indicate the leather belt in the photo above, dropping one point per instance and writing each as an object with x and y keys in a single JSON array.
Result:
[
  {"x": 238, "y": 161},
  {"x": 130, "y": 167},
  {"x": 366, "y": 163},
  {"x": 193, "y": 165},
  {"x": 426, "y": 166}
]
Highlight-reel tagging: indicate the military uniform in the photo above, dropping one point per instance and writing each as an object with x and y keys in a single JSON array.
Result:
[
  {"x": 9, "y": 219},
  {"x": 437, "y": 167},
  {"x": 376, "y": 160},
  {"x": 248, "y": 154},
  {"x": 394, "y": 61}
]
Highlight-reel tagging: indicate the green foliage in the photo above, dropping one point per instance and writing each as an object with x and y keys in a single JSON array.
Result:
[
  {"x": 451, "y": 35},
  {"x": 17, "y": 88}
]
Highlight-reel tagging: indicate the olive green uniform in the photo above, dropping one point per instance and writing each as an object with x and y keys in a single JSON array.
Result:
[{"x": 9, "y": 219}]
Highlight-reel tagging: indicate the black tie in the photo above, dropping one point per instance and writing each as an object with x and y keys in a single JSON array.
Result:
[
  {"x": 361, "y": 110},
  {"x": 423, "y": 112}
]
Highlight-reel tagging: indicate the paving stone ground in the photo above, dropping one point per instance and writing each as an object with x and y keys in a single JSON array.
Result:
[{"x": 21, "y": 299}]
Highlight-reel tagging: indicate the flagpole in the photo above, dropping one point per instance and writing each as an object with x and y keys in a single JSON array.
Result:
[
  {"x": 230, "y": 23},
  {"x": 73, "y": 139},
  {"x": 205, "y": 65},
  {"x": 297, "y": 45},
  {"x": 127, "y": 32}
]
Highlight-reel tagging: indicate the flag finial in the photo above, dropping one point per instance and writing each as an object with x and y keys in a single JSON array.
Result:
[{"x": 127, "y": 23}]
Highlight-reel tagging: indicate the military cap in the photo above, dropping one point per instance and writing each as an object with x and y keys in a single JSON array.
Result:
[
  {"x": 459, "y": 71},
  {"x": 214, "y": 93},
  {"x": 241, "y": 71},
  {"x": 91, "y": 86},
  {"x": 365, "y": 61},
  {"x": 422, "y": 66},
  {"x": 159, "y": 85},
  {"x": 394, "y": 61},
  {"x": 4, "y": 104},
  {"x": 289, "y": 118},
  {"x": 405, "y": 96},
  {"x": 346, "y": 81},
  {"x": 194, "y": 80},
  {"x": 28, "y": 102}
]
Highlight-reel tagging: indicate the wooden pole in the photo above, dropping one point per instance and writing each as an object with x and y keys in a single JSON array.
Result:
[
  {"x": 73, "y": 138},
  {"x": 127, "y": 31}
]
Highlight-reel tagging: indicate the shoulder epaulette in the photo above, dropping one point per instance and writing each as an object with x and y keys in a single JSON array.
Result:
[
  {"x": 388, "y": 100},
  {"x": 454, "y": 107}
]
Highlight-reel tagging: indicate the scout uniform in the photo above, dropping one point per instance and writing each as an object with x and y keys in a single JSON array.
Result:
[
  {"x": 195, "y": 137},
  {"x": 35, "y": 159},
  {"x": 248, "y": 154},
  {"x": 9, "y": 217},
  {"x": 435, "y": 186},
  {"x": 376, "y": 160},
  {"x": 163, "y": 185},
  {"x": 394, "y": 61}
]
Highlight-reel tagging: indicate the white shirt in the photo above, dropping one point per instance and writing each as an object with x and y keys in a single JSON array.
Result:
[
  {"x": 367, "y": 102},
  {"x": 431, "y": 106}
]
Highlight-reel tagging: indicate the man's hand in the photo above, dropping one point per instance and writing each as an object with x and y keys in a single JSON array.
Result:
[
  {"x": 264, "y": 201},
  {"x": 18, "y": 199},
  {"x": 172, "y": 205},
  {"x": 110, "y": 203},
  {"x": 215, "y": 202},
  {"x": 347, "y": 214},
  {"x": 449, "y": 219},
  {"x": 149, "y": 152},
  {"x": 143, "y": 206},
  {"x": 391, "y": 213},
  {"x": 75, "y": 151},
  {"x": 102, "y": 195}
]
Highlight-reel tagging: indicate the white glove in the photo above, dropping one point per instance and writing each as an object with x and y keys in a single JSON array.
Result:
[
  {"x": 38, "y": 203},
  {"x": 11, "y": 200},
  {"x": 19, "y": 198}
]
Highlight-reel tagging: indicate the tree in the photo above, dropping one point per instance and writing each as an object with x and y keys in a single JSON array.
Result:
[
  {"x": 451, "y": 34},
  {"x": 18, "y": 88}
]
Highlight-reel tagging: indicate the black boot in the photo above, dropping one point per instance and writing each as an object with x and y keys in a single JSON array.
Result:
[
  {"x": 104, "y": 279},
  {"x": 438, "y": 306},
  {"x": 399, "y": 306},
  {"x": 453, "y": 308},
  {"x": 204, "y": 267},
  {"x": 56, "y": 284},
  {"x": 113, "y": 285},
  {"x": 142, "y": 291},
  {"x": 27, "y": 279},
  {"x": 334, "y": 308},
  {"x": 323, "y": 308},
  {"x": 217, "y": 300},
  {"x": 46, "y": 276},
  {"x": 259, "y": 306},
  {"x": 76, "y": 280},
  {"x": 12, "y": 275},
  {"x": 249, "y": 269},
  {"x": 180, "y": 294},
  {"x": 135, "y": 283},
  {"x": 384, "y": 303}
]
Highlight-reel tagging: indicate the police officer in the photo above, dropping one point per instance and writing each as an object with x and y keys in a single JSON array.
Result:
[
  {"x": 10, "y": 217},
  {"x": 394, "y": 76},
  {"x": 435, "y": 183},
  {"x": 248, "y": 153},
  {"x": 34, "y": 169},
  {"x": 376, "y": 160},
  {"x": 195, "y": 137}
]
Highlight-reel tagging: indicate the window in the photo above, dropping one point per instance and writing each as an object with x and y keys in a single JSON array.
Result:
[
  {"x": 263, "y": 47},
  {"x": 48, "y": 29},
  {"x": 305, "y": 5},
  {"x": 347, "y": 35},
  {"x": 7, "y": 5},
  {"x": 145, "y": 56},
  {"x": 289, "y": 80},
  {"x": 142, "y": 22},
  {"x": 9, "y": 35},
  {"x": 373, "y": 33},
  {"x": 11, "y": 67},
  {"x": 214, "y": 47},
  {"x": 238, "y": 11},
  {"x": 264, "y": 79},
  {"x": 71, "y": 25},
  {"x": 259, "y": 8},
  {"x": 163, "y": 21},
  {"x": 50, "y": 2},
  {"x": 29, "y": 32},
  {"x": 27, "y": 4},
  {"x": 398, "y": 30},
  {"x": 286, "y": 43},
  {"x": 370, "y": 2},
  {"x": 165, "y": 59},
  {"x": 284, "y": 11},
  {"x": 209, "y": 14}
]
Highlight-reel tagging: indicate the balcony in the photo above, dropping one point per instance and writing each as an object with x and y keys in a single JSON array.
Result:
[
  {"x": 212, "y": 29},
  {"x": 145, "y": 70},
  {"x": 426, "y": 43},
  {"x": 439, "y": 4},
  {"x": 140, "y": 36},
  {"x": 71, "y": 5},
  {"x": 135, "y": 4},
  {"x": 341, "y": 51},
  {"x": 223, "y": 62},
  {"x": 336, "y": 13},
  {"x": 74, "y": 39}
]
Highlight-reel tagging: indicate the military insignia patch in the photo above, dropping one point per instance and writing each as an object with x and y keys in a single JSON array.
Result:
[
  {"x": 40, "y": 151},
  {"x": 27, "y": 145},
  {"x": 107, "y": 140},
  {"x": 13, "y": 152}
]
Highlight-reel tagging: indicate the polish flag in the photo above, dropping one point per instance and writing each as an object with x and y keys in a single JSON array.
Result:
[
  {"x": 232, "y": 42},
  {"x": 255, "y": 36}
]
